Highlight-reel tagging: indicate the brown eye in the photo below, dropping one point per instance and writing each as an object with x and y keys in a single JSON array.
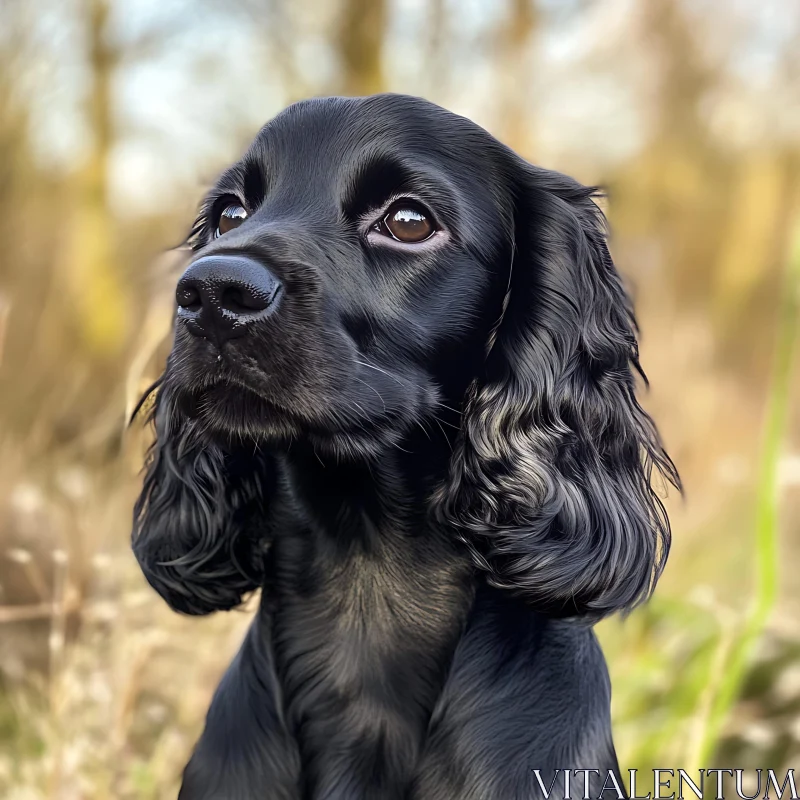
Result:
[
  {"x": 408, "y": 222},
  {"x": 232, "y": 216}
]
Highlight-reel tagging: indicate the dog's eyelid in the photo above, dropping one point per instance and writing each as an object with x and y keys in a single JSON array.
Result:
[
  {"x": 394, "y": 199},
  {"x": 379, "y": 212},
  {"x": 224, "y": 199}
]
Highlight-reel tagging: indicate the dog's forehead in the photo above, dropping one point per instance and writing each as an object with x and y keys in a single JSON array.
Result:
[{"x": 340, "y": 131}]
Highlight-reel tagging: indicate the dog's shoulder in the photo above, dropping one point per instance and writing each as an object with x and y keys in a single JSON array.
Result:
[{"x": 527, "y": 695}]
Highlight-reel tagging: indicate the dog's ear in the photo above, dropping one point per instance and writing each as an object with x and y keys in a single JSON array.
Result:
[
  {"x": 550, "y": 485},
  {"x": 197, "y": 524}
]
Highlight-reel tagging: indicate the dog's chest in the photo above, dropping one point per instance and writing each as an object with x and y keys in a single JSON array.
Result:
[{"x": 363, "y": 640}]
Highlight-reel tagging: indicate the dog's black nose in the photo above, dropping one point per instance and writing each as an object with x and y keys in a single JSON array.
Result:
[{"x": 220, "y": 296}]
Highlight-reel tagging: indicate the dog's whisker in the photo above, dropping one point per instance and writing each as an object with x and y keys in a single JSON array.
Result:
[
  {"x": 422, "y": 428},
  {"x": 369, "y": 386},
  {"x": 439, "y": 423},
  {"x": 449, "y": 408},
  {"x": 378, "y": 369}
]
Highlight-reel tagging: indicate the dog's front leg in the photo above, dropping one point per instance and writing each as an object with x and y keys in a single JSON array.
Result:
[{"x": 246, "y": 752}]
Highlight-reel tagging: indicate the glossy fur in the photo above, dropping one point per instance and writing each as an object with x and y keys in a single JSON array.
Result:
[{"x": 430, "y": 459}]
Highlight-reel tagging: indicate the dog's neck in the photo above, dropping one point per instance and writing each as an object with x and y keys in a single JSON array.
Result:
[
  {"x": 391, "y": 489},
  {"x": 364, "y": 591}
]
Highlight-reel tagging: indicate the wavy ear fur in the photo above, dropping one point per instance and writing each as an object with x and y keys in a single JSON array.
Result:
[
  {"x": 198, "y": 524},
  {"x": 550, "y": 485}
]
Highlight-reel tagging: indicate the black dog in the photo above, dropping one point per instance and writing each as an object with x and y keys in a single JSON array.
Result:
[{"x": 401, "y": 402}]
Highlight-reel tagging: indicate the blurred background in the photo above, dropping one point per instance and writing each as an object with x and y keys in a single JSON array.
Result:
[{"x": 115, "y": 115}]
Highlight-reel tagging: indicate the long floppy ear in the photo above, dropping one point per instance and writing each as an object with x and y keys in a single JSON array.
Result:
[
  {"x": 199, "y": 526},
  {"x": 550, "y": 485}
]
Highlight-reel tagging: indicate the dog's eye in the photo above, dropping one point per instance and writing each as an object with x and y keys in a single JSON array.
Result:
[
  {"x": 408, "y": 222},
  {"x": 232, "y": 216}
]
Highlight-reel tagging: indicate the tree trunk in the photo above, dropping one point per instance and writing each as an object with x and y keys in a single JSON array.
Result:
[{"x": 362, "y": 31}]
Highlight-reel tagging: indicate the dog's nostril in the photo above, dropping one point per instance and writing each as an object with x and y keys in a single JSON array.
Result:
[
  {"x": 231, "y": 300},
  {"x": 188, "y": 297},
  {"x": 241, "y": 299}
]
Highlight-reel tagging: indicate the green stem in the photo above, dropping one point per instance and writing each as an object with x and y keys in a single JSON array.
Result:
[{"x": 766, "y": 513}]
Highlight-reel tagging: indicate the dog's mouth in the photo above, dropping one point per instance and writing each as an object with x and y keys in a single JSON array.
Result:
[
  {"x": 231, "y": 412},
  {"x": 229, "y": 406},
  {"x": 230, "y": 395}
]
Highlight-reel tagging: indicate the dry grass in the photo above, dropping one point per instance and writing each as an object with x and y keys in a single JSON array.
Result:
[{"x": 105, "y": 688}]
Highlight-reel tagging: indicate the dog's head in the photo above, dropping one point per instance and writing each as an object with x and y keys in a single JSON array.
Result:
[{"x": 367, "y": 264}]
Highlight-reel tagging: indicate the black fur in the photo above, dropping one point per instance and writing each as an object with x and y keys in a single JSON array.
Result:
[{"x": 430, "y": 459}]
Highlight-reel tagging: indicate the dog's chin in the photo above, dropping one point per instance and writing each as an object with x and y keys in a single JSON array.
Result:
[
  {"x": 230, "y": 414},
  {"x": 234, "y": 415}
]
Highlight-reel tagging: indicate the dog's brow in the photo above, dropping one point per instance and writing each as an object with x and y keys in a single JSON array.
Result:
[
  {"x": 372, "y": 182},
  {"x": 244, "y": 179},
  {"x": 231, "y": 181},
  {"x": 253, "y": 183}
]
